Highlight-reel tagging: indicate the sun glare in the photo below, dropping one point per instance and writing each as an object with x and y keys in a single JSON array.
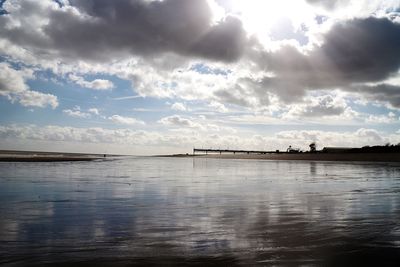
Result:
[{"x": 259, "y": 16}]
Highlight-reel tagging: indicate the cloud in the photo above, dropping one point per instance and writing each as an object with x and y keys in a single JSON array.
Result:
[
  {"x": 178, "y": 121},
  {"x": 382, "y": 93},
  {"x": 77, "y": 113},
  {"x": 13, "y": 86},
  {"x": 11, "y": 80},
  {"x": 329, "y": 4},
  {"x": 218, "y": 107},
  {"x": 178, "y": 107},
  {"x": 180, "y": 50},
  {"x": 356, "y": 8},
  {"x": 94, "y": 111},
  {"x": 100, "y": 30},
  {"x": 125, "y": 120},
  {"x": 363, "y": 49},
  {"x": 354, "y": 51},
  {"x": 370, "y": 134},
  {"x": 386, "y": 119},
  {"x": 36, "y": 99},
  {"x": 360, "y": 137},
  {"x": 190, "y": 125},
  {"x": 97, "y": 84},
  {"x": 319, "y": 107},
  {"x": 59, "y": 133},
  {"x": 155, "y": 44},
  {"x": 78, "y": 137}
]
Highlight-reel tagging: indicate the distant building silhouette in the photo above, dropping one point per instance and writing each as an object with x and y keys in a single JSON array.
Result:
[
  {"x": 313, "y": 147},
  {"x": 293, "y": 150},
  {"x": 336, "y": 149}
]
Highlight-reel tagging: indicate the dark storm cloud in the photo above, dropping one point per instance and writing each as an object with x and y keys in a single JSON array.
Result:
[
  {"x": 144, "y": 28},
  {"x": 364, "y": 50},
  {"x": 355, "y": 51},
  {"x": 384, "y": 93},
  {"x": 359, "y": 50}
]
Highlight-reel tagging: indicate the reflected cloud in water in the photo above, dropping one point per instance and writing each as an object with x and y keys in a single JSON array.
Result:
[{"x": 144, "y": 211}]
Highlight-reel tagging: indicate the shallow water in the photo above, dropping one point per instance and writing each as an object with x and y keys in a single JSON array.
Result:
[{"x": 198, "y": 212}]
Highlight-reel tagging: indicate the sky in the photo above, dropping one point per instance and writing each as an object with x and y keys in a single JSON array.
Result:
[{"x": 148, "y": 77}]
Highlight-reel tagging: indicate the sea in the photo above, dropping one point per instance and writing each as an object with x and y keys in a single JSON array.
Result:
[{"x": 148, "y": 211}]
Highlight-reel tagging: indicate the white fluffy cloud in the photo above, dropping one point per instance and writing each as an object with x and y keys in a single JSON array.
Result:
[
  {"x": 320, "y": 106},
  {"x": 97, "y": 84},
  {"x": 382, "y": 119},
  {"x": 218, "y": 107},
  {"x": 77, "y": 113},
  {"x": 13, "y": 86},
  {"x": 94, "y": 111},
  {"x": 333, "y": 107},
  {"x": 178, "y": 121},
  {"x": 179, "y": 107},
  {"x": 358, "y": 138},
  {"x": 188, "y": 125},
  {"x": 125, "y": 120}
]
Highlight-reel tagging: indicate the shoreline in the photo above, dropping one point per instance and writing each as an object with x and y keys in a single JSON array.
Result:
[
  {"x": 32, "y": 156},
  {"x": 45, "y": 159},
  {"x": 362, "y": 157},
  {"x": 37, "y": 156}
]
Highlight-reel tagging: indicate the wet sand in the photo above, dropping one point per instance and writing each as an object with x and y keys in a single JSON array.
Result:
[{"x": 36, "y": 156}]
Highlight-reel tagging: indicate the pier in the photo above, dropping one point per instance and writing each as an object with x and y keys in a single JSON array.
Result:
[{"x": 231, "y": 151}]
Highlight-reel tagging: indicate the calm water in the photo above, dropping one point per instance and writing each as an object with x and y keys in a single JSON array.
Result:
[{"x": 199, "y": 212}]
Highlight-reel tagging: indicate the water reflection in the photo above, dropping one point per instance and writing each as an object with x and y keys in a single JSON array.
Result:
[{"x": 145, "y": 211}]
